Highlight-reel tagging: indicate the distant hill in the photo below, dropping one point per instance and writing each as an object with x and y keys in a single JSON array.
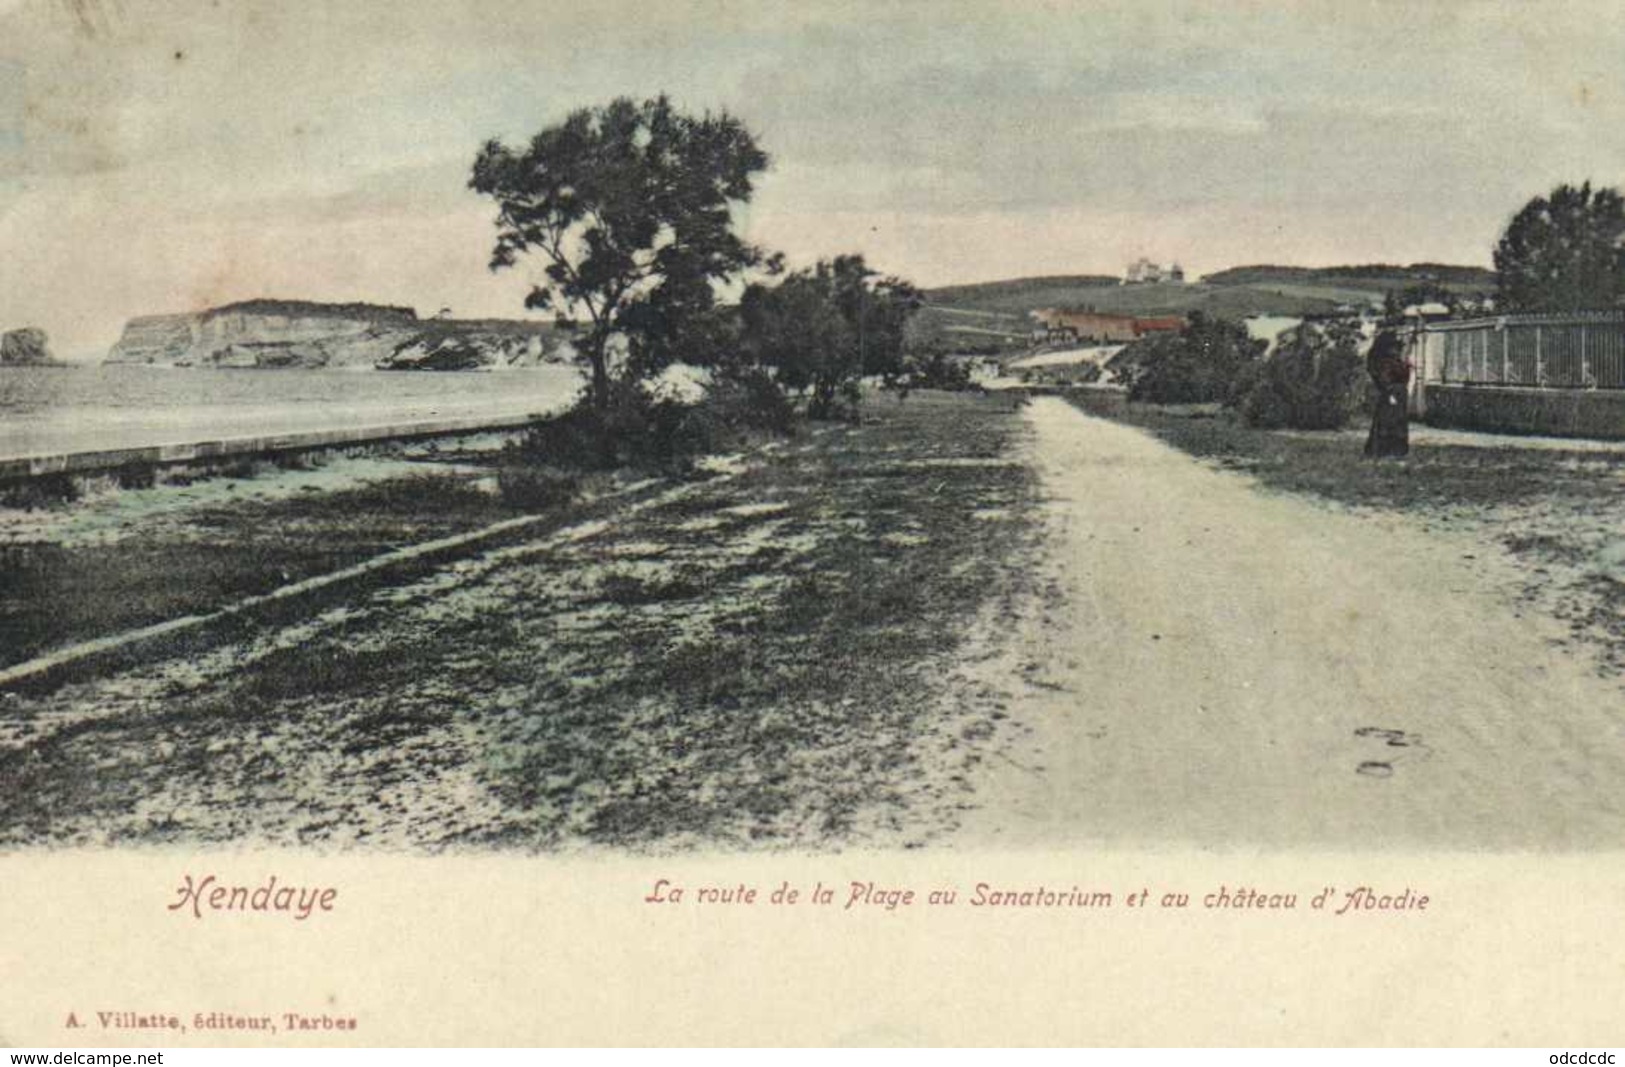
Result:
[
  {"x": 1236, "y": 293},
  {"x": 309, "y": 334},
  {"x": 1383, "y": 275},
  {"x": 1018, "y": 296},
  {"x": 312, "y": 309}
]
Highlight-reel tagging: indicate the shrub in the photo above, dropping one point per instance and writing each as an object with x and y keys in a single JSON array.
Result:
[
  {"x": 136, "y": 476},
  {"x": 1312, "y": 381},
  {"x": 822, "y": 331},
  {"x": 295, "y": 461},
  {"x": 589, "y": 438},
  {"x": 932, "y": 368},
  {"x": 44, "y": 491},
  {"x": 749, "y": 399},
  {"x": 1202, "y": 364},
  {"x": 641, "y": 431},
  {"x": 534, "y": 486}
]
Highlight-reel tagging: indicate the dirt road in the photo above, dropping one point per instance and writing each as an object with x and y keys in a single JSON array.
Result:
[{"x": 1224, "y": 667}]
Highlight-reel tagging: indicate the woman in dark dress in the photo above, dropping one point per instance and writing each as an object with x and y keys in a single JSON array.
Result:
[{"x": 1390, "y": 429}]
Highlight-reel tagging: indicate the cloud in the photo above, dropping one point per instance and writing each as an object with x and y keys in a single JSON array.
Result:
[{"x": 154, "y": 153}]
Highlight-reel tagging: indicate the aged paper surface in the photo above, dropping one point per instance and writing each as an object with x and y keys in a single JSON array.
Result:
[
  {"x": 161, "y": 157},
  {"x": 475, "y": 952}
]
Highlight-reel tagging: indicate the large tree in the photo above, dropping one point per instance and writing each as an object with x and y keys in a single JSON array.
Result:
[
  {"x": 1564, "y": 252},
  {"x": 629, "y": 207}
]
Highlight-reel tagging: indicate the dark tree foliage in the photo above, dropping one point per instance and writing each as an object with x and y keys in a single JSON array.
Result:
[
  {"x": 1564, "y": 252},
  {"x": 1312, "y": 381},
  {"x": 822, "y": 331},
  {"x": 25, "y": 346},
  {"x": 629, "y": 207},
  {"x": 1203, "y": 364},
  {"x": 931, "y": 366}
]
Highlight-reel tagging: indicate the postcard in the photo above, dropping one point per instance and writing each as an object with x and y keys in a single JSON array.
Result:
[{"x": 952, "y": 523}]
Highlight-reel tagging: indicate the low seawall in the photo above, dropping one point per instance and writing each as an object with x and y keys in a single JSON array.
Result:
[
  {"x": 1511, "y": 409},
  {"x": 70, "y": 464}
]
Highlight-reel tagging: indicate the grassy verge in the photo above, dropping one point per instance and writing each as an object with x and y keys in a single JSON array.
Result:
[
  {"x": 817, "y": 601},
  {"x": 191, "y": 544},
  {"x": 757, "y": 659},
  {"x": 1331, "y": 465},
  {"x": 1558, "y": 512}
]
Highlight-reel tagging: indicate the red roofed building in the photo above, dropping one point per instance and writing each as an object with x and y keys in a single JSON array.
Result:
[
  {"x": 1165, "y": 324},
  {"x": 1090, "y": 326},
  {"x": 1085, "y": 326}
]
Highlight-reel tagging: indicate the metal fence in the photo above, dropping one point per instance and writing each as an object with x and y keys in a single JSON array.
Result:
[{"x": 1577, "y": 351}]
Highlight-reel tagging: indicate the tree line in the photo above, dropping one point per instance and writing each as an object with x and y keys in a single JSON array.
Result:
[
  {"x": 629, "y": 211},
  {"x": 1561, "y": 252}
]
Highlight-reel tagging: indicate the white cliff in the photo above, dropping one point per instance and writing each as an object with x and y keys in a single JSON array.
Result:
[{"x": 285, "y": 333}]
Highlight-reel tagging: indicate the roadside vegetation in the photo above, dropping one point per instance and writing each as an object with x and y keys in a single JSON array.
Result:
[
  {"x": 121, "y": 557},
  {"x": 1203, "y": 363},
  {"x": 1556, "y": 511},
  {"x": 1311, "y": 380},
  {"x": 627, "y": 209},
  {"x": 763, "y": 655},
  {"x": 740, "y": 604}
]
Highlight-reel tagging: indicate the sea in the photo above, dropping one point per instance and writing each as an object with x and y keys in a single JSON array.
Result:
[{"x": 84, "y": 407}]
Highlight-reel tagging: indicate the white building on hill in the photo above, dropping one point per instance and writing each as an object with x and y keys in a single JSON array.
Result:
[{"x": 1145, "y": 272}]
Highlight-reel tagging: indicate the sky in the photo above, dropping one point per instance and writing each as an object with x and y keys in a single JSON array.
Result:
[{"x": 168, "y": 155}]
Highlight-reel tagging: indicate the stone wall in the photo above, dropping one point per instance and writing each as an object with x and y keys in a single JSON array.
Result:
[{"x": 1509, "y": 409}]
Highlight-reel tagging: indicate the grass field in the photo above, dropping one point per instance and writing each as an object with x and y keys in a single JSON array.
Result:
[
  {"x": 124, "y": 558},
  {"x": 1230, "y": 294},
  {"x": 764, "y": 657},
  {"x": 1017, "y": 296},
  {"x": 1230, "y": 301}
]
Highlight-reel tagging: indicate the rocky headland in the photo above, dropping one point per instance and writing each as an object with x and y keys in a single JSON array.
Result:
[{"x": 305, "y": 334}]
